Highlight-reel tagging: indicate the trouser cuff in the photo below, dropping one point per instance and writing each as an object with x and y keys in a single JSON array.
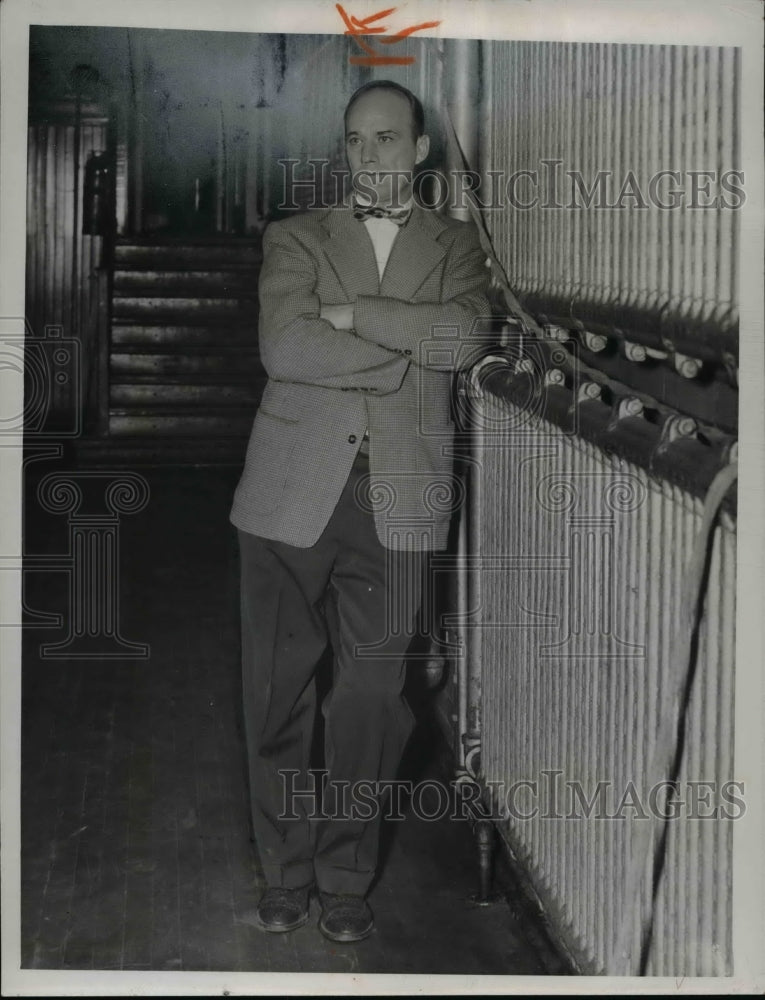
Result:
[
  {"x": 292, "y": 876},
  {"x": 343, "y": 882}
]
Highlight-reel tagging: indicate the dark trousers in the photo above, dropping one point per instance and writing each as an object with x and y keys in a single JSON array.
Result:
[{"x": 350, "y": 589}]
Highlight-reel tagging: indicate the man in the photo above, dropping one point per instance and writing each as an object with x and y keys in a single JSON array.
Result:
[{"x": 345, "y": 486}]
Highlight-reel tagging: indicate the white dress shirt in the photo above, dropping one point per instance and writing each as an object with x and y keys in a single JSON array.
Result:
[{"x": 382, "y": 233}]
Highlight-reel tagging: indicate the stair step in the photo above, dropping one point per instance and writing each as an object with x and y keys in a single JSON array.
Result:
[
  {"x": 186, "y": 283},
  {"x": 151, "y": 450},
  {"x": 205, "y": 255},
  {"x": 203, "y": 364},
  {"x": 220, "y": 349},
  {"x": 160, "y": 309},
  {"x": 184, "y": 369},
  {"x": 185, "y": 395},
  {"x": 179, "y": 423},
  {"x": 144, "y": 336}
]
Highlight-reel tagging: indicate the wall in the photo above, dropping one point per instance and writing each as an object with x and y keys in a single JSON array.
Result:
[
  {"x": 203, "y": 146},
  {"x": 64, "y": 285}
]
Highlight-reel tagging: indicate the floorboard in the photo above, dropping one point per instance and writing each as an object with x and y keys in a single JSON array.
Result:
[{"x": 136, "y": 841}]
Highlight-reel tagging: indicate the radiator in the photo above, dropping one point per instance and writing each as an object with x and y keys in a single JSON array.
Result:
[{"x": 575, "y": 562}]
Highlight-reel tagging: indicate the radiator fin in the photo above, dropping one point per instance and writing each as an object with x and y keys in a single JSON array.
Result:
[{"x": 578, "y": 618}]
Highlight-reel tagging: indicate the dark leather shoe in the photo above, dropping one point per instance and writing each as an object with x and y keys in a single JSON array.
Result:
[
  {"x": 345, "y": 918},
  {"x": 281, "y": 910}
]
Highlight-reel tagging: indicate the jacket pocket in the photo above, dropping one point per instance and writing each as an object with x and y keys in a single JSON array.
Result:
[
  {"x": 267, "y": 463},
  {"x": 279, "y": 403}
]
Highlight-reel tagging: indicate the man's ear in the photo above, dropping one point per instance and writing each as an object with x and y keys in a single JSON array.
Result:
[{"x": 422, "y": 147}]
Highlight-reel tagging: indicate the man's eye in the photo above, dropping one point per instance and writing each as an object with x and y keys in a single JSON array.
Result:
[{"x": 386, "y": 138}]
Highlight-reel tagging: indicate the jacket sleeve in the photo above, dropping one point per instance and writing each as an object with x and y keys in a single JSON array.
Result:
[
  {"x": 296, "y": 345},
  {"x": 439, "y": 335}
]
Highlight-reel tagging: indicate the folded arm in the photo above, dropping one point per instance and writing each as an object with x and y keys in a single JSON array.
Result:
[
  {"x": 297, "y": 345},
  {"x": 433, "y": 334}
]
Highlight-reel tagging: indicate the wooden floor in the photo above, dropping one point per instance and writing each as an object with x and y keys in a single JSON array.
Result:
[{"x": 136, "y": 848}]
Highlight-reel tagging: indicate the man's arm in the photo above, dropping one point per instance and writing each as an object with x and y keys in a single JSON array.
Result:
[
  {"x": 403, "y": 326},
  {"x": 296, "y": 344}
]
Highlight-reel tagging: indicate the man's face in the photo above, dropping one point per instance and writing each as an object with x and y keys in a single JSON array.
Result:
[{"x": 381, "y": 148}]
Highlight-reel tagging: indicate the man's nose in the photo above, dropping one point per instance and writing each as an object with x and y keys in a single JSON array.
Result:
[{"x": 368, "y": 153}]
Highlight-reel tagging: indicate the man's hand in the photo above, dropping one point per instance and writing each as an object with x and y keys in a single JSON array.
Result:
[{"x": 341, "y": 317}]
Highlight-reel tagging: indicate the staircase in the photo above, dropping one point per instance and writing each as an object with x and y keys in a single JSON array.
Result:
[{"x": 184, "y": 374}]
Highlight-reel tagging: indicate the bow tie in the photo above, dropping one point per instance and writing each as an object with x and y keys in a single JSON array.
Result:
[{"x": 399, "y": 216}]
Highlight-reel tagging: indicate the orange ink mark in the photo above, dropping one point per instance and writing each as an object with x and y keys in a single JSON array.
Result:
[
  {"x": 367, "y": 48},
  {"x": 357, "y": 28},
  {"x": 364, "y": 24},
  {"x": 409, "y": 31},
  {"x": 381, "y": 60}
]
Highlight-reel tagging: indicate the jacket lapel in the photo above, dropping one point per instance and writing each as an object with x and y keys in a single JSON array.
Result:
[
  {"x": 351, "y": 254},
  {"x": 414, "y": 254}
]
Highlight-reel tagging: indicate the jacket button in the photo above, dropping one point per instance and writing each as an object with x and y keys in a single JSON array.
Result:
[{"x": 352, "y": 439}]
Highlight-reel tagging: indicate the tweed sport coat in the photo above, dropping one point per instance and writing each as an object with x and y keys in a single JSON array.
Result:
[{"x": 390, "y": 375}]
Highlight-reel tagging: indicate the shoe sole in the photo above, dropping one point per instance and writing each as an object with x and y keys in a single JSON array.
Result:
[
  {"x": 345, "y": 938},
  {"x": 281, "y": 928}
]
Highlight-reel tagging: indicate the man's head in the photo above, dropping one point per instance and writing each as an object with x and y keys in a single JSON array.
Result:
[{"x": 384, "y": 140}]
